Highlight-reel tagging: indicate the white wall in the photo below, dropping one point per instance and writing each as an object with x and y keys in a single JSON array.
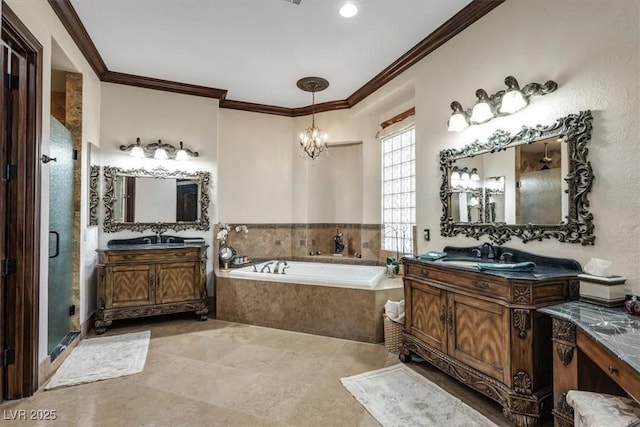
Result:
[
  {"x": 42, "y": 22},
  {"x": 256, "y": 175},
  {"x": 130, "y": 112},
  {"x": 335, "y": 186}
]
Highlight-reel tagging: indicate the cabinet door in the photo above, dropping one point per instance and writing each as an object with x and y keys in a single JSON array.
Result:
[
  {"x": 428, "y": 314},
  {"x": 479, "y": 335},
  {"x": 177, "y": 282},
  {"x": 129, "y": 285}
]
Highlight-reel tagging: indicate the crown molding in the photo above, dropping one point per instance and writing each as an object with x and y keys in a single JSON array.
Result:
[
  {"x": 461, "y": 20},
  {"x": 467, "y": 16},
  {"x": 71, "y": 21},
  {"x": 165, "y": 85}
]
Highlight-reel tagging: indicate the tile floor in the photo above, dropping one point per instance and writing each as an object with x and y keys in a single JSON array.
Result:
[{"x": 217, "y": 373}]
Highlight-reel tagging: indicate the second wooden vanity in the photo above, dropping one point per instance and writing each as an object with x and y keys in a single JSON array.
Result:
[{"x": 483, "y": 329}]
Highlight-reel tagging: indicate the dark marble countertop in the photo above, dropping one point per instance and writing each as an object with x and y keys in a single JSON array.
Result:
[
  {"x": 150, "y": 246},
  {"x": 539, "y": 273},
  {"x": 613, "y": 328}
]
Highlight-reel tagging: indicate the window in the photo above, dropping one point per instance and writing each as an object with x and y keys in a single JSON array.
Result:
[{"x": 399, "y": 191}]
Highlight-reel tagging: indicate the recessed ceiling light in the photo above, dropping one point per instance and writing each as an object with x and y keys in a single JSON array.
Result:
[{"x": 348, "y": 10}]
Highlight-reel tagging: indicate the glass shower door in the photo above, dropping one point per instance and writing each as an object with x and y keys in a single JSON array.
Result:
[{"x": 60, "y": 234}]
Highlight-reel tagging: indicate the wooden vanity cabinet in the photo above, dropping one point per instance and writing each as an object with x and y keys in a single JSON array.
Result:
[
  {"x": 147, "y": 282},
  {"x": 484, "y": 331}
]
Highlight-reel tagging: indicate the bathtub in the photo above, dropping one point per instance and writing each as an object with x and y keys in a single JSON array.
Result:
[
  {"x": 334, "y": 300},
  {"x": 317, "y": 273}
]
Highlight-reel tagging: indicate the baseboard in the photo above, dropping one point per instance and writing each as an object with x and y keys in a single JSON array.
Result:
[
  {"x": 87, "y": 325},
  {"x": 211, "y": 302}
]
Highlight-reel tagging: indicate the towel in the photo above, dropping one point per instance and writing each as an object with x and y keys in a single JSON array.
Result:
[
  {"x": 519, "y": 266},
  {"x": 395, "y": 310},
  {"x": 431, "y": 255}
]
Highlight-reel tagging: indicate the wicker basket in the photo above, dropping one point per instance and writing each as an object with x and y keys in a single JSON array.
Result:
[{"x": 392, "y": 335}]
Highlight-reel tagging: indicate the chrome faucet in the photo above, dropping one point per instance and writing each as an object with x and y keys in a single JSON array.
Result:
[
  {"x": 158, "y": 238},
  {"x": 477, "y": 252},
  {"x": 266, "y": 267},
  {"x": 491, "y": 254},
  {"x": 506, "y": 257},
  {"x": 170, "y": 239},
  {"x": 276, "y": 269},
  {"x": 284, "y": 268}
]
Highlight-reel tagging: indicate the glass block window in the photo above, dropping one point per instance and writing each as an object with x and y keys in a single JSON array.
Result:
[{"x": 399, "y": 191}]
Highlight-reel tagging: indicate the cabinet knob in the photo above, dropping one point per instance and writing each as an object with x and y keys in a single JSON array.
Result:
[
  {"x": 424, "y": 272},
  {"x": 612, "y": 370},
  {"x": 180, "y": 254},
  {"x": 129, "y": 256}
]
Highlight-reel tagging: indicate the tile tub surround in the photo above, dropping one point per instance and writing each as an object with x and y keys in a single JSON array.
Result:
[
  {"x": 613, "y": 328},
  {"x": 354, "y": 314},
  {"x": 286, "y": 241}
]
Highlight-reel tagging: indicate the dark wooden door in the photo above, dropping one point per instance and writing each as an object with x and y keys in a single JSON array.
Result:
[{"x": 21, "y": 105}]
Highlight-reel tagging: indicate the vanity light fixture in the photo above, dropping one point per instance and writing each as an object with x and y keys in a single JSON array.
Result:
[
  {"x": 465, "y": 179},
  {"x": 501, "y": 103},
  {"x": 313, "y": 141},
  {"x": 159, "y": 150}
]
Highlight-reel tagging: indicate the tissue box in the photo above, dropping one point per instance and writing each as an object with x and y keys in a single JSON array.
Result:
[{"x": 605, "y": 291}]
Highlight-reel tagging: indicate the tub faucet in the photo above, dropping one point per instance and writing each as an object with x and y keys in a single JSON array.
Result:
[
  {"x": 276, "y": 269},
  {"x": 284, "y": 268},
  {"x": 266, "y": 267}
]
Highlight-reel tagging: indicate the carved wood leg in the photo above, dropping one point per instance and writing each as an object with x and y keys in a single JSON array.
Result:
[
  {"x": 565, "y": 370},
  {"x": 404, "y": 354},
  {"x": 203, "y": 313},
  {"x": 520, "y": 420},
  {"x": 101, "y": 326}
]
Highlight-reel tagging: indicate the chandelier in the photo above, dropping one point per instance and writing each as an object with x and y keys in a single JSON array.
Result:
[{"x": 313, "y": 141}]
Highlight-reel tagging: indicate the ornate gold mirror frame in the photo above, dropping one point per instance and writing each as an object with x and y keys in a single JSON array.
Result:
[
  {"x": 110, "y": 223},
  {"x": 575, "y": 131}
]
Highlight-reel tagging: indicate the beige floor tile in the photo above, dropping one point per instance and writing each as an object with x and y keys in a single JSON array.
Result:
[
  {"x": 254, "y": 358},
  {"x": 316, "y": 346},
  {"x": 218, "y": 373},
  {"x": 268, "y": 397},
  {"x": 295, "y": 367},
  {"x": 327, "y": 406},
  {"x": 192, "y": 346}
]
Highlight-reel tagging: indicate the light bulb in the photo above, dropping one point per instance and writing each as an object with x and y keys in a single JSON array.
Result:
[
  {"x": 512, "y": 101},
  {"x": 161, "y": 154},
  {"x": 481, "y": 113},
  {"x": 349, "y": 10},
  {"x": 457, "y": 122},
  {"x": 182, "y": 155},
  {"x": 137, "y": 152}
]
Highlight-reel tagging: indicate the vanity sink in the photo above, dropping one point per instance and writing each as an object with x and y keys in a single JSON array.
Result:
[
  {"x": 460, "y": 262},
  {"x": 608, "y": 328}
]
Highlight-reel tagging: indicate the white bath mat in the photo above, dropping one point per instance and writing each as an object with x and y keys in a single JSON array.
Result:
[
  {"x": 398, "y": 396},
  {"x": 96, "y": 359}
]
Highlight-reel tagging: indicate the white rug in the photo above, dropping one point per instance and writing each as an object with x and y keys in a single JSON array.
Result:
[
  {"x": 102, "y": 358},
  {"x": 398, "y": 396}
]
